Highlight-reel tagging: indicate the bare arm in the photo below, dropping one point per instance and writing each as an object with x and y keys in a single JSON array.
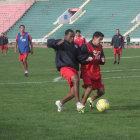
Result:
[
  {"x": 31, "y": 46},
  {"x": 16, "y": 47}
]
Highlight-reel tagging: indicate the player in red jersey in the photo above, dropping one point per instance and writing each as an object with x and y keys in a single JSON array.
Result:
[
  {"x": 3, "y": 43},
  {"x": 78, "y": 39},
  {"x": 90, "y": 73}
]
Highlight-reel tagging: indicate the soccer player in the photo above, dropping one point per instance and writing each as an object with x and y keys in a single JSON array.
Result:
[
  {"x": 80, "y": 40},
  {"x": 117, "y": 43},
  {"x": 3, "y": 43},
  {"x": 25, "y": 46},
  {"x": 90, "y": 73},
  {"x": 68, "y": 56}
]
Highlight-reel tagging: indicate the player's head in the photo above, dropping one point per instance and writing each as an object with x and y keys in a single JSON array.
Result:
[
  {"x": 22, "y": 28},
  {"x": 69, "y": 35},
  {"x": 97, "y": 38},
  {"x": 78, "y": 33},
  {"x": 117, "y": 31}
]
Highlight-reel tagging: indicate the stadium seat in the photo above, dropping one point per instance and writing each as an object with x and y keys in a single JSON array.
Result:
[
  {"x": 9, "y": 14},
  {"x": 100, "y": 16}
]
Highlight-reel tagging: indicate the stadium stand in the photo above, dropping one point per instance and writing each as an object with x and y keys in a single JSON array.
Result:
[
  {"x": 100, "y": 16},
  {"x": 10, "y": 13}
]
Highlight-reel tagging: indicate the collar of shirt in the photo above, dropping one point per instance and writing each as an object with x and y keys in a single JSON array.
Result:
[{"x": 94, "y": 46}]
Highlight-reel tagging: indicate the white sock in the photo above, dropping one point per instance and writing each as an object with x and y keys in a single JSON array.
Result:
[
  {"x": 90, "y": 101},
  {"x": 61, "y": 104},
  {"x": 26, "y": 71}
]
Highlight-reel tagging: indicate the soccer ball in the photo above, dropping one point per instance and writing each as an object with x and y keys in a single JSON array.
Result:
[{"x": 102, "y": 105}]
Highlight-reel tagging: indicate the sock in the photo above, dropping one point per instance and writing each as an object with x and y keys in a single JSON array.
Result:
[
  {"x": 78, "y": 103},
  {"x": 90, "y": 101},
  {"x": 26, "y": 71}
]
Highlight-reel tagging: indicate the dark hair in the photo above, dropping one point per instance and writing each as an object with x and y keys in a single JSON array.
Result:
[
  {"x": 68, "y": 30},
  {"x": 78, "y": 31},
  {"x": 98, "y": 34},
  {"x": 118, "y": 29},
  {"x": 22, "y": 25}
]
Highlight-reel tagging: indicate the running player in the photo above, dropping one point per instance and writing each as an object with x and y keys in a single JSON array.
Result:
[
  {"x": 117, "y": 43},
  {"x": 80, "y": 40},
  {"x": 90, "y": 73},
  {"x": 68, "y": 56},
  {"x": 25, "y": 46}
]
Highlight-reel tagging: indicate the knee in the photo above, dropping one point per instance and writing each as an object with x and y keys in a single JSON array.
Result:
[
  {"x": 24, "y": 61},
  {"x": 101, "y": 92},
  {"x": 75, "y": 79},
  {"x": 89, "y": 87}
]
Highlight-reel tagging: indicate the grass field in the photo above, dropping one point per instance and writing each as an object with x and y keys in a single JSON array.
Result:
[{"x": 28, "y": 112}]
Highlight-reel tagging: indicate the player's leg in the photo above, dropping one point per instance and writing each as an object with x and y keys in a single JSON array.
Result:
[
  {"x": 68, "y": 97},
  {"x": 118, "y": 58},
  {"x": 2, "y": 50},
  {"x": 100, "y": 92},
  {"x": 5, "y": 49},
  {"x": 25, "y": 66},
  {"x": 75, "y": 91},
  {"x": 86, "y": 94},
  {"x": 60, "y": 104},
  {"x": 115, "y": 58}
]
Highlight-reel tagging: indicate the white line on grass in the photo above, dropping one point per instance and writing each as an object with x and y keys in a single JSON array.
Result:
[
  {"x": 125, "y": 57},
  {"x": 106, "y": 78},
  {"x": 56, "y": 79},
  {"x": 107, "y": 71}
]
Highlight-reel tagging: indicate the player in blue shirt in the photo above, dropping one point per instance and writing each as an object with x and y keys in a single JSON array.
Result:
[{"x": 25, "y": 46}]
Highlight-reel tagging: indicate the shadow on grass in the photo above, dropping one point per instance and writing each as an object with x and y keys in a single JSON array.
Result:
[{"x": 129, "y": 107}]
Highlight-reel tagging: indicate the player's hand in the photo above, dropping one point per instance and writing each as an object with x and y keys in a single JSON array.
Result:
[
  {"x": 103, "y": 59},
  {"x": 60, "y": 42},
  {"x": 15, "y": 51},
  {"x": 96, "y": 53},
  {"x": 120, "y": 47},
  {"x": 89, "y": 59},
  {"x": 32, "y": 51}
]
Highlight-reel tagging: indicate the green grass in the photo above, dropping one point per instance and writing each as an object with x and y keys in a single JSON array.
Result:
[{"x": 28, "y": 112}]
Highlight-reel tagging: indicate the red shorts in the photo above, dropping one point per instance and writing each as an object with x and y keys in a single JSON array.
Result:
[
  {"x": 67, "y": 73},
  {"x": 23, "y": 56},
  {"x": 117, "y": 50},
  {"x": 96, "y": 84},
  {"x": 4, "y": 47}
]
